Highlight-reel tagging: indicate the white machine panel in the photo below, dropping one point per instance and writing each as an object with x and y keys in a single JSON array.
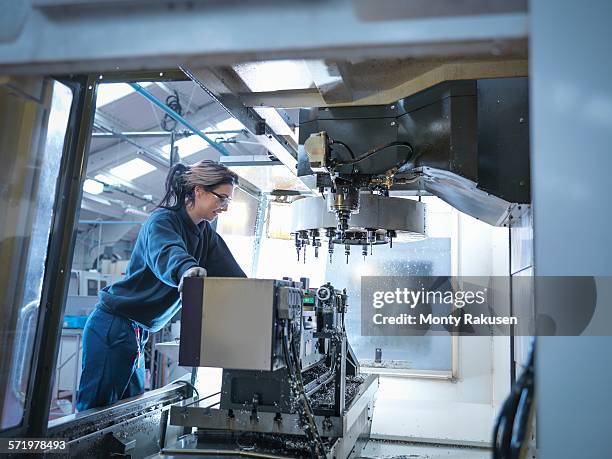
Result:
[{"x": 228, "y": 323}]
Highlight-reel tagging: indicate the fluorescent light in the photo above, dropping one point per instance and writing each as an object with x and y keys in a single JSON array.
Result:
[
  {"x": 275, "y": 75},
  {"x": 110, "y": 92},
  {"x": 134, "y": 211},
  {"x": 107, "y": 179},
  {"x": 132, "y": 169},
  {"x": 111, "y": 180},
  {"x": 93, "y": 187}
]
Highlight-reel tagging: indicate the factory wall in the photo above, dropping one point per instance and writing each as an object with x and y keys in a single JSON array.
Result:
[
  {"x": 117, "y": 237},
  {"x": 461, "y": 411}
]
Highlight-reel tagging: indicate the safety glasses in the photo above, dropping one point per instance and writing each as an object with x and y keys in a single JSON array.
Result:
[{"x": 224, "y": 201}]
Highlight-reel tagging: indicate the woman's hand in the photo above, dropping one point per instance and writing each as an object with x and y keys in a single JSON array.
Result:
[{"x": 191, "y": 272}]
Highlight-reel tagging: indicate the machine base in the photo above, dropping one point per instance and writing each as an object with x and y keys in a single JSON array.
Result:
[{"x": 234, "y": 433}]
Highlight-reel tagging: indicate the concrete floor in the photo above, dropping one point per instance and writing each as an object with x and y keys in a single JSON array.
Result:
[{"x": 394, "y": 450}]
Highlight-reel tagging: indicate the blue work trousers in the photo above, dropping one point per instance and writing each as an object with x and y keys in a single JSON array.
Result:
[{"x": 113, "y": 360}]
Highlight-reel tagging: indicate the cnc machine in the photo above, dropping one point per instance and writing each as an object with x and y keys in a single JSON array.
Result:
[
  {"x": 291, "y": 384},
  {"x": 466, "y": 142}
]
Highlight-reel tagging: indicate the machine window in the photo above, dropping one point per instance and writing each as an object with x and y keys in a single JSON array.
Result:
[
  {"x": 32, "y": 144},
  {"x": 427, "y": 257},
  {"x": 238, "y": 228}
]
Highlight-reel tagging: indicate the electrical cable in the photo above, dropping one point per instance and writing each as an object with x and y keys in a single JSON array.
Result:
[
  {"x": 317, "y": 446},
  {"x": 511, "y": 426},
  {"x": 338, "y": 142},
  {"x": 407, "y": 181},
  {"x": 376, "y": 150},
  {"x": 187, "y": 383},
  {"x": 173, "y": 102}
]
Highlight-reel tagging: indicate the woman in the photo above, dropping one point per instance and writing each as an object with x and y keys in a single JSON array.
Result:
[{"x": 175, "y": 242}]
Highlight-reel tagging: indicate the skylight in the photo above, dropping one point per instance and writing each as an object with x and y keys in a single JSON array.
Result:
[
  {"x": 230, "y": 124},
  {"x": 93, "y": 186},
  {"x": 275, "y": 75},
  {"x": 110, "y": 92},
  {"x": 132, "y": 169}
]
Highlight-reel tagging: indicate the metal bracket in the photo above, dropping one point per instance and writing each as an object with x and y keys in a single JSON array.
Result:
[{"x": 117, "y": 447}]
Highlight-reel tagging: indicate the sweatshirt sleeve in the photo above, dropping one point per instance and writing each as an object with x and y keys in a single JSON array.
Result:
[
  {"x": 166, "y": 252},
  {"x": 219, "y": 259}
]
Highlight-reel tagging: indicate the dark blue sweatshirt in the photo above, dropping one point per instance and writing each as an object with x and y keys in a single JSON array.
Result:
[{"x": 169, "y": 243}]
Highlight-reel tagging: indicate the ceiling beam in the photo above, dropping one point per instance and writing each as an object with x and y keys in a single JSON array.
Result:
[
  {"x": 130, "y": 38},
  {"x": 223, "y": 85},
  {"x": 286, "y": 98},
  {"x": 414, "y": 81},
  {"x": 96, "y": 204}
]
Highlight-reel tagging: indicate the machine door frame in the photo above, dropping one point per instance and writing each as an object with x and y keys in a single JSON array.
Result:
[
  {"x": 62, "y": 239},
  {"x": 61, "y": 242}
]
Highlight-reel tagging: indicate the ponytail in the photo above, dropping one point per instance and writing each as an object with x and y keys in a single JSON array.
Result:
[
  {"x": 182, "y": 180},
  {"x": 176, "y": 189}
]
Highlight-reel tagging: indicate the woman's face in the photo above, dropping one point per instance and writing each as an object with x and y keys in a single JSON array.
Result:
[{"x": 209, "y": 204}]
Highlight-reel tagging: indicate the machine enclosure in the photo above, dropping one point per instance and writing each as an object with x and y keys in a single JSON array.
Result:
[
  {"x": 232, "y": 322},
  {"x": 470, "y": 139}
]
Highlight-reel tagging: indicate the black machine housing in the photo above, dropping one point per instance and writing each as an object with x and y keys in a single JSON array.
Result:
[{"x": 469, "y": 139}]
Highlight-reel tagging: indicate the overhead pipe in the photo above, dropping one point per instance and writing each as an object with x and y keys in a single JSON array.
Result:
[
  {"x": 153, "y": 134},
  {"x": 227, "y": 131},
  {"x": 160, "y": 160},
  {"x": 220, "y": 148},
  {"x": 137, "y": 134},
  {"x": 119, "y": 189}
]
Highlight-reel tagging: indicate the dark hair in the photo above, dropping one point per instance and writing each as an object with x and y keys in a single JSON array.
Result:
[{"x": 182, "y": 180}]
